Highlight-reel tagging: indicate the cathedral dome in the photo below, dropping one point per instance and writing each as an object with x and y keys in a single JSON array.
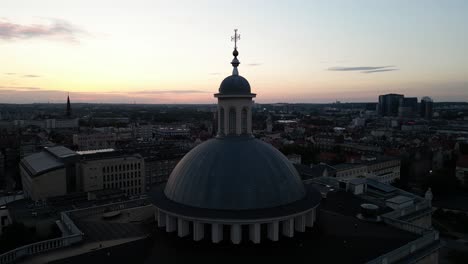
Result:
[
  {"x": 234, "y": 173},
  {"x": 234, "y": 84}
]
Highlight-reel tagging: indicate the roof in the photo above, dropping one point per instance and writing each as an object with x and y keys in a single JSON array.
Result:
[
  {"x": 357, "y": 181},
  {"x": 311, "y": 200},
  {"x": 40, "y": 163},
  {"x": 400, "y": 199},
  {"x": 234, "y": 173},
  {"x": 308, "y": 172},
  {"x": 234, "y": 85},
  {"x": 61, "y": 152},
  {"x": 380, "y": 186},
  {"x": 337, "y": 227},
  {"x": 347, "y": 166}
]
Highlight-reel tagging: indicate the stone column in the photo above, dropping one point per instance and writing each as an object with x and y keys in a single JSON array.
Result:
[
  {"x": 299, "y": 223},
  {"x": 310, "y": 218},
  {"x": 273, "y": 231},
  {"x": 288, "y": 227},
  {"x": 182, "y": 227},
  {"x": 249, "y": 118},
  {"x": 236, "y": 233},
  {"x": 216, "y": 233},
  {"x": 161, "y": 219},
  {"x": 254, "y": 233},
  {"x": 171, "y": 223},
  {"x": 198, "y": 231},
  {"x": 238, "y": 119}
]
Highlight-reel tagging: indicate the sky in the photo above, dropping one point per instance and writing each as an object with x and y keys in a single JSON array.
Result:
[{"x": 152, "y": 51}]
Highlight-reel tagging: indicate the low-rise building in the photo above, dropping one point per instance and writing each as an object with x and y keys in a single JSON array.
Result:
[
  {"x": 51, "y": 172},
  {"x": 348, "y": 171},
  {"x": 383, "y": 169},
  {"x": 94, "y": 141},
  {"x": 295, "y": 158},
  {"x": 112, "y": 170}
]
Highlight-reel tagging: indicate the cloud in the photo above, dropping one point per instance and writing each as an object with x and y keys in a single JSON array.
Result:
[
  {"x": 19, "y": 88},
  {"x": 254, "y": 64},
  {"x": 364, "y": 69},
  {"x": 380, "y": 70},
  {"x": 31, "y": 76},
  {"x": 168, "y": 92},
  {"x": 360, "y": 68},
  {"x": 57, "y": 29},
  {"x": 10, "y": 73}
]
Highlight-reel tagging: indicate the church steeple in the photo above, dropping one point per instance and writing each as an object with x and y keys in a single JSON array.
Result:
[
  {"x": 68, "y": 106},
  {"x": 235, "y": 62},
  {"x": 234, "y": 101}
]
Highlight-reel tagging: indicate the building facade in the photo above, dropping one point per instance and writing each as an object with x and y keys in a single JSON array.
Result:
[
  {"x": 114, "y": 171},
  {"x": 51, "y": 172},
  {"x": 94, "y": 141}
]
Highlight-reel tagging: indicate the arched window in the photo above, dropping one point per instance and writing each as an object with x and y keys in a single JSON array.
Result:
[
  {"x": 244, "y": 121},
  {"x": 221, "y": 120},
  {"x": 232, "y": 121}
]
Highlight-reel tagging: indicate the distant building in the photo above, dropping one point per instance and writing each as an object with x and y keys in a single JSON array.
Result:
[
  {"x": 348, "y": 171},
  {"x": 94, "y": 141},
  {"x": 426, "y": 108},
  {"x": 358, "y": 122},
  {"x": 145, "y": 132},
  {"x": 385, "y": 169},
  {"x": 170, "y": 132},
  {"x": 408, "y": 107},
  {"x": 48, "y": 123},
  {"x": 159, "y": 167},
  {"x": 382, "y": 169},
  {"x": 389, "y": 104},
  {"x": 295, "y": 158},
  {"x": 51, "y": 172},
  {"x": 112, "y": 170}
]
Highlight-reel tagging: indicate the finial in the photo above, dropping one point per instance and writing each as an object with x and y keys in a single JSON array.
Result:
[{"x": 235, "y": 62}]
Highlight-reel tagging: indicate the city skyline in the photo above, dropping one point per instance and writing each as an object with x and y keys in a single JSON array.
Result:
[{"x": 296, "y": 52}]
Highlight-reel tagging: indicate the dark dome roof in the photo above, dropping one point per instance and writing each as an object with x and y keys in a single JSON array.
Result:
[
  {"x": 234, "y": 173},
  {"x": 234, "y": 84}
]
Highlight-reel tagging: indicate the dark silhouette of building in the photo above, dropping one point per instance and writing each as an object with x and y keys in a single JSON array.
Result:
[
  {"x": 388, "y": 104},
  {"x": 425, "y": 108},
  {"x": 408, "y": 107}
]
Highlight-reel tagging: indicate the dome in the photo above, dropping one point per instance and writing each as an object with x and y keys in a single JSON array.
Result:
[
  {"x": 234, "y": 173},
  {"x": 234, "y": 84}
]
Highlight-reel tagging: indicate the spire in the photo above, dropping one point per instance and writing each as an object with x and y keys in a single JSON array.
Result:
[
  {"x": 68, "y": 106},
  {"x": 235, "y": 62}
]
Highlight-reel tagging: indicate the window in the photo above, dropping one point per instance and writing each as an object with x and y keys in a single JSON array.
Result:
[
  {"x": 244, "y": 121},
  {"x": 221, "y": 120},
  {"x": 232, "y": 121}
]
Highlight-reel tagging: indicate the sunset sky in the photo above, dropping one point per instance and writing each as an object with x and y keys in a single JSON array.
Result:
[{"x": 148, "y": 51}]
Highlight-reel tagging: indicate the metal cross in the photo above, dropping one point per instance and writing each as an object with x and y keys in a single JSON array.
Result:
[{"x": 235, "y": 38}]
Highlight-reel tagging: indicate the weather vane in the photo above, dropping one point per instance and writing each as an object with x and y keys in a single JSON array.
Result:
[{"x": 235, "y": 38}]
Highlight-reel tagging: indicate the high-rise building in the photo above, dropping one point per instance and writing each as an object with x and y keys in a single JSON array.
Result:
[
  {"x": 408, "y": 107},
  {"x": 388, "y": 104},
  {"x": 426, "y": 107}
]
